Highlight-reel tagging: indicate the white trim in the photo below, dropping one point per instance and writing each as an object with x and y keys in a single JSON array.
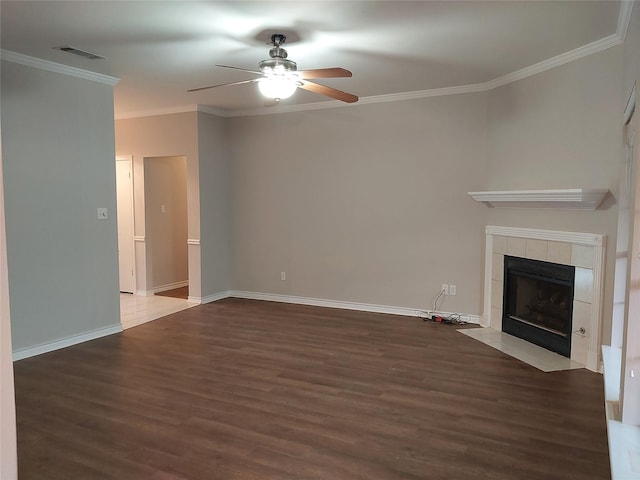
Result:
[
  {"x": 587, "y": 239},
  {"x": 170, "y": 286},
  {"x": 362, "y": 307},
  {"x": 624, "y": 18},
  {"x": 158, "y": 112},
  {"x": 488, "y": 274},
  {"x": 566, "y": 198},
  {"x": 174, "y": 110},
  {"x": 392, "y": 97},
  {"x": 630, "y": 107},
  {"x": 138, "y": 238},
  {"x": 212, "y": 111},
  {"x": 211, "y": 298},
  {"x": 319, "y": 302},
  {"x": 595, "y": 345},
  {"x": 41, "y": 64},
  {"x": 562, "y": 59},
  {"x": 193, "y": 241},
  {"x": 65, "y": 342}
]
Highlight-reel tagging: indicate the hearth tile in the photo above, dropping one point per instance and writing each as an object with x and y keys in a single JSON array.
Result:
[
  {"x": 582, "y": 256},
  {"x": 581, "y": 317},
  {"x": 559, "y": 252},
  {"x": 524, "y": 351},
  {"x": 536, "y": 249},
  {"x": 496, "y": 318},
  {"x": 496, "y": 293},
  {"x": 583, "y": 285},
  {"x": 497, "y": 269},
  {"x": 516, "y": 246},
  {"x": 579, "y": 348},
  {"x": 499, "y": 244}
]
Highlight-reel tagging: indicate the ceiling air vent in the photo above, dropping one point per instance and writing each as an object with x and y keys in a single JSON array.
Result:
[{"x": 80, "y": 53}]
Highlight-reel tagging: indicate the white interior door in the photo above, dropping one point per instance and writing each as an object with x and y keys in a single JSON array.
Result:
[{"x": 126, "y": 257}]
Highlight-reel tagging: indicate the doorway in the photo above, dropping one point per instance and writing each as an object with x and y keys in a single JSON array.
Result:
[{"x": 165, "y": 197}]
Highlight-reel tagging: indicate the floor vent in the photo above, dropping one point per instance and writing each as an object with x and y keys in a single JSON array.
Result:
[{"x": 81, "y": 53}]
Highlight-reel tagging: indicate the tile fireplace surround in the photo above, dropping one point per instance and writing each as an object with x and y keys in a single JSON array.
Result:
[{"x": 584, "y": 251}]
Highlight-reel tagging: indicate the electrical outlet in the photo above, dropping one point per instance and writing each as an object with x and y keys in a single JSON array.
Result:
[
  {"x": 283, "y": 276},
  {"x": 452, "y": 289},
  {"x": 445, "y": 289}
]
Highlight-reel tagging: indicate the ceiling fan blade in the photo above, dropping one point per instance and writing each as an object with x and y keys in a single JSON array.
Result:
[
  {"x": 325, "y": 73},
  {"x": 223, "y": 85},
  {"x": 328, "y": 91},
  {"x": 238, "y": 68}
]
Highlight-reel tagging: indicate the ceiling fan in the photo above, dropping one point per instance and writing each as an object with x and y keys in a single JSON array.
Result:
[{"x": 280, "y": 78}]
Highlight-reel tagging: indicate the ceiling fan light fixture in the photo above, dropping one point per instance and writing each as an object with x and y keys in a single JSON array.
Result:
[{"x": 277, "y": 87}]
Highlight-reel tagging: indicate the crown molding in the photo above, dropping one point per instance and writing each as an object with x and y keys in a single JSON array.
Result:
[
  {"x": 158, "y": 111},
  {"x": 219, "y": 112},
  {"x": 173, "y": 110},
  {"x": 41, "y": 64},
  {"x": 558, "y": 60},
  {"x": 392, "y": 97}
]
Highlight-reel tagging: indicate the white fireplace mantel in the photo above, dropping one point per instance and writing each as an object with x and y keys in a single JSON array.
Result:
[{"x": 566, "y": 198}]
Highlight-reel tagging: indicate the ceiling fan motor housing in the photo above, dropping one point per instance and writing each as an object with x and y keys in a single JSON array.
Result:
[
  {"x": 278, "y": 59},
  {"x": 273, "y": 64}
]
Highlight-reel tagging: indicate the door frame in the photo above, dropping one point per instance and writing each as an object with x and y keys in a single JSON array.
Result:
[{"x": 129, "y": 160}]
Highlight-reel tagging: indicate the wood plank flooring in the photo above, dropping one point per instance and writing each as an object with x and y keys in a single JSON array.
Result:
[
  {"x": 181, "y": 292},
  {"x": 241, "y": 389}
]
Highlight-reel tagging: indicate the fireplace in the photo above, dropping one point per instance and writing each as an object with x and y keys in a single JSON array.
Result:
[
  {"x": 538, "y": 302},
  {"x": 585, "y": 252}
]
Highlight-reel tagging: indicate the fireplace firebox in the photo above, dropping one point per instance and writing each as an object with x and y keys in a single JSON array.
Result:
[{"x": 538, "y": 302}]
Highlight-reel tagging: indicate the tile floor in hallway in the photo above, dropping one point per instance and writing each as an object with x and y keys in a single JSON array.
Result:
[{"x": 136, "y": 310}]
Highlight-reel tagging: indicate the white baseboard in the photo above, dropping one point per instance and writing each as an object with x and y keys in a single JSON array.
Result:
[
  {"x": 144, "y": 293},
  {"x": 65, "y": 342},
  {"x": 170, "y": 286},
  {"x": 210, "y": 298},
  {"x": 363, "y": 307}
]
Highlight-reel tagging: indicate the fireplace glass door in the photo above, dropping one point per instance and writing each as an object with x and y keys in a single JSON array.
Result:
[{"x": 538, "y": 302}]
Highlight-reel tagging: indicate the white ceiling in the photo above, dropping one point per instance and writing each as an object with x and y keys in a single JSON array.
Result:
[{"x": 160, "y": 49}]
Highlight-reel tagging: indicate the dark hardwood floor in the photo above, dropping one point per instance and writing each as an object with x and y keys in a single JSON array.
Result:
[
  {"x": 181, "y": 292},
  {"x": 241, "y": 389}
]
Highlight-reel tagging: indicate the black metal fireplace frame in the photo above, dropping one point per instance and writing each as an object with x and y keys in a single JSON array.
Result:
[{"x": 546, "y": 271}]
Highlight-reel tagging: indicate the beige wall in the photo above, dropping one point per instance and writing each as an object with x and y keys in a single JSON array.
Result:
[
  {"x": 369, "y": 203},
  {"x": 561, "y": 129},
  {"x": 364, "y": 204},
  {"x": 166, "y": 219},
  {"x": 215, "y": 197}
]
